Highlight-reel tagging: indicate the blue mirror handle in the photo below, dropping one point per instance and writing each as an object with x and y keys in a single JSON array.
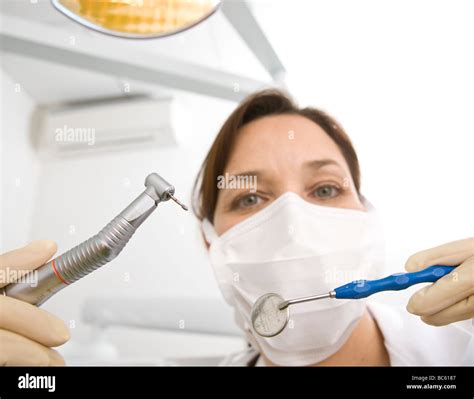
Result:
[{"x": 395, "y": 282}]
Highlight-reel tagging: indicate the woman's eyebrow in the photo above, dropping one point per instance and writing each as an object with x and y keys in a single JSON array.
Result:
[
  {"x": 319, "y": 163},
  {"x": 263, "y": 177},
  {"x": 259, "y": 175}
]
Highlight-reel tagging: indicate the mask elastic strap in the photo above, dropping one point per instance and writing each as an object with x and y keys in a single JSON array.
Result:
[
  {"x": 208, "y": 231},
  {"x": 368, "y": 205}
]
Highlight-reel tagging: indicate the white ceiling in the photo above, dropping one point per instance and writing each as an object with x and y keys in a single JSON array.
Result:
[
  {"x": 330, "y": 49},
  {"x": 53, "y": 83},
  {"x": 38, "y": 10},
  {"x": 213, "y": 43}
]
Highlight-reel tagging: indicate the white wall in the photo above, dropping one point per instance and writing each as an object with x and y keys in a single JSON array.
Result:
[
  {"x": 80, "y": 195},
  {"x": 70, "y": 199},
  {"x": 19, "y": 165}
]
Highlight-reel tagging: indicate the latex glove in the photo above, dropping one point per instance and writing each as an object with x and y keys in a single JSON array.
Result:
[
  {"x": 451, "y": 298},
  {"x": 27, "y": 332}
]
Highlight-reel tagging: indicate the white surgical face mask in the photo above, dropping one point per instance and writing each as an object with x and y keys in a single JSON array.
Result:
[{"x": 295, "y": 248}]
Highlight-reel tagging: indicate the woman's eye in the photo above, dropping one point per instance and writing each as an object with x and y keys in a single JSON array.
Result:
[
  {"x": 327, "y": 191},
  {"x": 248, "y": 201}
]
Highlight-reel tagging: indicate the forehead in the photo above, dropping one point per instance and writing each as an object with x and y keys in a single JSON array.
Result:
[{"x": 281, "y": 139}]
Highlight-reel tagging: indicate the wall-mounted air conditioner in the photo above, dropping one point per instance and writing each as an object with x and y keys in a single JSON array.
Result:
[{"x": 107, "y": 125}]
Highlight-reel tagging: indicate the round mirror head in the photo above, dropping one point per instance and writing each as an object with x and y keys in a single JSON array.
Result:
[
  {"x": 137, "y": 19},
  {"x": 267, "y": 318}
]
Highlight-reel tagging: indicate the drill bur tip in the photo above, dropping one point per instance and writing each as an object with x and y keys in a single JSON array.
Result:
[{"x": 178, "y": 202}]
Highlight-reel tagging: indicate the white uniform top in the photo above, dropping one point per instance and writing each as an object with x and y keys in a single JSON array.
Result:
[{"x": 408, "y": 340}]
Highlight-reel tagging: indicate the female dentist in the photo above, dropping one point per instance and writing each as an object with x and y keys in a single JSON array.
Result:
[{"x": 307, "y": 172}]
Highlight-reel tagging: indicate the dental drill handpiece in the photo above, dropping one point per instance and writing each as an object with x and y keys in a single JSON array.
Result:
[{"x": 97, "y": 250}]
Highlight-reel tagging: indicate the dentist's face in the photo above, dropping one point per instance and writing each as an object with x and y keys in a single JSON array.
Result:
[{"x": 284, "y": 153}]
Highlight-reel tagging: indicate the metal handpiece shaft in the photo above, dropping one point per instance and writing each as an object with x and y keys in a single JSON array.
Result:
[{"x": 94, "y": 252}]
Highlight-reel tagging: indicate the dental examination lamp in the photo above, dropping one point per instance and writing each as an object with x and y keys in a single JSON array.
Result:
[
  {"x": 95, "y": 252},
  {"x": 137, "y": 19}
]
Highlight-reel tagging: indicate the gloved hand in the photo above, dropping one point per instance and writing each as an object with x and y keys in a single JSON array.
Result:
[
  {"x": 451, "y": 298},
  {"x": 27, "y": 332}
]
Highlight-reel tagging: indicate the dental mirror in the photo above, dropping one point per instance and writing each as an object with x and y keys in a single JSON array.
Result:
[
  {"x": 270, "y": 313},
  {"x": 137, "y": 19},
  {"x": 268, "y": 318}
]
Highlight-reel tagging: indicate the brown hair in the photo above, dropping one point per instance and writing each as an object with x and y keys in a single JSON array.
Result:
[{"x": 258, "y": 105}]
